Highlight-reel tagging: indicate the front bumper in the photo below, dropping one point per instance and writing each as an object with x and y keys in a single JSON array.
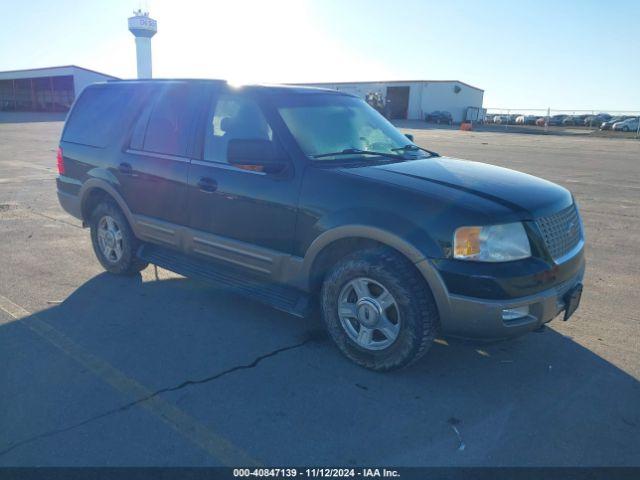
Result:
[{"x": 475, "y": 317}]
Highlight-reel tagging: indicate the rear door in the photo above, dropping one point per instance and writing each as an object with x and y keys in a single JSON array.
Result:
[
  {"x": 154, "y": 168},
  {"x": 246, "y": 217}
]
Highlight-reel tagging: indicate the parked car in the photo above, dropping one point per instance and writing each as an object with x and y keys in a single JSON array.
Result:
[
  {"x": 574, "y": 120},
  {"x": 541, "y": 121},
  {"x": 596, "y": 120},
  {"x": 608, "y": 124},
  {"x": 439, "y": 117},
  {"x": 298, "y": 197},
  {"x": 592, "y": 121},
  {"x": 557, "y": 120},
  {"x": 628, "y": 125}
]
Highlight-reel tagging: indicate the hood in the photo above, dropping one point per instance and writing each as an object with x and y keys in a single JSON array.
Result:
[{"x": 520, "y": 192}]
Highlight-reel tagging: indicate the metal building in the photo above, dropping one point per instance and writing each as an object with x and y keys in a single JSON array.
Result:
[
  {"x": 50, "y": 89},
  {"x": 413, "y": 99}
]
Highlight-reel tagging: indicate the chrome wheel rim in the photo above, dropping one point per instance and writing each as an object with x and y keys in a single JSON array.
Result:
[
  {"x": 369, "y": 314},
  {"x": 110, "y": 239}
]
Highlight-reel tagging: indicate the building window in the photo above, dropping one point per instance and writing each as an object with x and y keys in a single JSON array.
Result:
[
  {"x": 63, "y": 93},
  {"x": 42, "y": 94},
  {"x": 23, "y": 94},
  {"x": 6, "y": 96}
]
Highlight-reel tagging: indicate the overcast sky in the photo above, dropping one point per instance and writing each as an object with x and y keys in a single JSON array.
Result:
[{"x": 570, "y": 54}]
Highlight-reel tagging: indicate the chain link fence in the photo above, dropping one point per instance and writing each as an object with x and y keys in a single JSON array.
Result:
[{"x": 573, "y": 120}]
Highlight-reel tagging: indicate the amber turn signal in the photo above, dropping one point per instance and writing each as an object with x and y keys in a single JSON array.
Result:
[{"x": 467, "y": 242}]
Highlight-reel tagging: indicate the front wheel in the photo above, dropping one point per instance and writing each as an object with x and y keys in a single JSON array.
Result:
[
  {"x": 113, "y": 241},
  {"x": 379, "y": 310}
]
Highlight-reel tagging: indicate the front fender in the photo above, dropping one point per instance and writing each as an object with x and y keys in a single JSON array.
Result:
[
  {"x": 384, "y": 226},
  {"x": 387, "y": 228}
]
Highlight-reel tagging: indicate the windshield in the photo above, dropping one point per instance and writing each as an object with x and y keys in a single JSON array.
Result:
[{"x": 327, "y": 123}]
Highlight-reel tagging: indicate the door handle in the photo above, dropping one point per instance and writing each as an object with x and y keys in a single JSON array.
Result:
[
  {"x": 125, "y": 169},
  {"x": 207, "y": 185}
]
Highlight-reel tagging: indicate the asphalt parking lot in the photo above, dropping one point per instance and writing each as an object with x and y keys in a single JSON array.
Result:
[{"x": 162, "y": 370}]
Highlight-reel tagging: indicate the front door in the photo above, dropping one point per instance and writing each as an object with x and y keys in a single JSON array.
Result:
[{"x": 246, "y": 217}]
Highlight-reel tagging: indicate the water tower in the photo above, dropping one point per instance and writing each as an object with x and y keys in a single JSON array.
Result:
[{"x": 143, "y": 28}]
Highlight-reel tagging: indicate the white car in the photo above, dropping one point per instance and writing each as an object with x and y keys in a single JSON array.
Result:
[{"x": 628, "y": 125}]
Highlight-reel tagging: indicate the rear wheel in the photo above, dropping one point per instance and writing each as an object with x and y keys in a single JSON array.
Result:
[
  {"x": 113, "y": 241},
  {"x": 378, "y": 310}
]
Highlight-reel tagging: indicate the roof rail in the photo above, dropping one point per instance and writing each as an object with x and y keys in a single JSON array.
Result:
[{"x": 160, "y": 80}]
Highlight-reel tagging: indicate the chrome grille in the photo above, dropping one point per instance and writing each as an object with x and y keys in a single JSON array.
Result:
[{"x": 561, "y": 231}]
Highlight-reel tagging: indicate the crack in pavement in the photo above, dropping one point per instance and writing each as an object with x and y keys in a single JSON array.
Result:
[
  {"x": 60, "y": 220},
  {"x": 180, "y": 386}
]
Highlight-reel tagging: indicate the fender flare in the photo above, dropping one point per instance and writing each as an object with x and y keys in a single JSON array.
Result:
[
  {"x": 410, "y": 251},
  {"x": 98, "y": 183},
  {"x": 359, "y": 231}
]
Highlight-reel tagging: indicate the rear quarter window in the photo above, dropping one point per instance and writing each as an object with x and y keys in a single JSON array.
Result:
[{"x": 96, "y": 115}]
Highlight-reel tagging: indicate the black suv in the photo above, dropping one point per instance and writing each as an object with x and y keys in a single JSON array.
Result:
[{"x": 299, "y": 197}]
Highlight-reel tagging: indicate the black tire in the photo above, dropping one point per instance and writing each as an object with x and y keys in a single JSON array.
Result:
[
  {"x": 418, "y": 312},
  {"x": 128, "y": 263}
]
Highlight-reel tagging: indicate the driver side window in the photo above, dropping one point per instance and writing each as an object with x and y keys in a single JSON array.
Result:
[{"x": 232, "y": 117}]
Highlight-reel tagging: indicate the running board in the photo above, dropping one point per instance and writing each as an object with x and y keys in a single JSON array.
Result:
[{"x": 283, "y": 298}]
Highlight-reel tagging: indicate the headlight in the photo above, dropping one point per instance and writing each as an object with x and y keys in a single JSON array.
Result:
[{"x": 493, "y": 243}]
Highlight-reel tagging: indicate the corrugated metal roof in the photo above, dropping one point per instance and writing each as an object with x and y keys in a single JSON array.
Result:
[
  {"x": 389, "y": 81},
  {"x": 59, "y": 67}
]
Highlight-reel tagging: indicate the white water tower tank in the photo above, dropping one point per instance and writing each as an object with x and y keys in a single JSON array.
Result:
[{"x": 143, "y": 28}]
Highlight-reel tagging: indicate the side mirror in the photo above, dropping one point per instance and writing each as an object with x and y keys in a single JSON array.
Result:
[
  {"x": 409, "y": 136},
  {"x": 255, "y": 155}
]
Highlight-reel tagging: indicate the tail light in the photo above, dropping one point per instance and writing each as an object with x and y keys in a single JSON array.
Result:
[{"x": 60, "y": 161}]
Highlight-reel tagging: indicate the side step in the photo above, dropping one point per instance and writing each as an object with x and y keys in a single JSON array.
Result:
[{"x": 278, "y": 296}]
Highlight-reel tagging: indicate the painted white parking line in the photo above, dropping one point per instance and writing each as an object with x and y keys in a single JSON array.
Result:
[{"x": 213, "y": 443}]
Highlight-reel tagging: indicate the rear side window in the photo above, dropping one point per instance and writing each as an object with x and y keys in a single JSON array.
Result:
[
  {"x": 169, "y": 130},
  {"x": 140, "y": 128},
  {"x": 96, "y": 115}
]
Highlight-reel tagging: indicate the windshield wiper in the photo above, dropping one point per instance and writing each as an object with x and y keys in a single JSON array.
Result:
[
  {"x": 357, "y": 151},
  {"x": 410, "y": 147}
]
